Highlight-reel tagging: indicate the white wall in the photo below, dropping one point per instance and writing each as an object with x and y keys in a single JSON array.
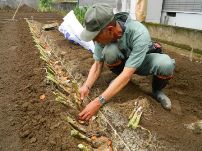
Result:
[
  {"x": 188, "y": 20},
  {"x": 154, "y": 9}
]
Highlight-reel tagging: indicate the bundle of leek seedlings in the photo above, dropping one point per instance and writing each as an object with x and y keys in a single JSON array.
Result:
[
  {"x": 69, "y": 87},
  {"x": 134, "y": 120},
  {"x": 135, "y": 116}
]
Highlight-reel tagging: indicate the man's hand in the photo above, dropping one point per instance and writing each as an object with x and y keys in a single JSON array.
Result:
[
  {"x": 90, "y": 110},
  {"x": 84, "y": 91}
]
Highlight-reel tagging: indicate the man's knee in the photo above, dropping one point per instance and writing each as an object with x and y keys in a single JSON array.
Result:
[
  {"x": 164, "y": 66},
  {"x": 112, "y": 54}
]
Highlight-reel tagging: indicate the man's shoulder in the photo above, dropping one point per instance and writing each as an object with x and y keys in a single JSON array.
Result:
[{"x": 134, "y": 25}]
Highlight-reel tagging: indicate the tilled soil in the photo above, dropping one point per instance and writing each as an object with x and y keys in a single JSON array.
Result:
[{"x": 28, "y": 123}]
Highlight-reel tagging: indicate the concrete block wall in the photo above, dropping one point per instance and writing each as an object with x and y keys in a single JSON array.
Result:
[{"x": 181, "y": 37}]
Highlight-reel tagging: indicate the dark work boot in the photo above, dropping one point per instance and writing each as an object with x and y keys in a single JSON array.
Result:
[{"x": 157, "y": 86}]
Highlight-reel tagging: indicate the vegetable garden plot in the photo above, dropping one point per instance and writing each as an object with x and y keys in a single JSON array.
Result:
[{"x": 43, "y": 123}]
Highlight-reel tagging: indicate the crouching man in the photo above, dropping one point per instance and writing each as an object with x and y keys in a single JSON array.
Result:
[{"x": 125, "y": 46}]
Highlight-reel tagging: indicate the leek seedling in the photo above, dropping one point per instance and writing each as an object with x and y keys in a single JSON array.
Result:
[
  {"x": 50, "y": 69},
  {"x": 83, "y": 147},
  {"x": 75, "y": 124},
  {"x": 52, "y": 78},
  {"x": 77, "y": 134},
  {"x": 63, "y": 99}
]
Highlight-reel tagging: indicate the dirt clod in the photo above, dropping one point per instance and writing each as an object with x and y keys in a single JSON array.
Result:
[{"x": 33, "y": 140}]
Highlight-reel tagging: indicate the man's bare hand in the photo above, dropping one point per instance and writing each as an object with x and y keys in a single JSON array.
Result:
[
  {"x": 84, "y": 91},
  {"x": 90, "y": 110}
]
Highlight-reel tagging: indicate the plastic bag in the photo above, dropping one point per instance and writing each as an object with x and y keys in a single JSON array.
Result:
[{"x": 71, "y": 28}]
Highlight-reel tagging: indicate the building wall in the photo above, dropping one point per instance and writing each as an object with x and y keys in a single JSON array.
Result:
[
  {"x": 188, "y": 20},
  {"x": 182, "y": 13},
  {"x": 153, "y": 10}
]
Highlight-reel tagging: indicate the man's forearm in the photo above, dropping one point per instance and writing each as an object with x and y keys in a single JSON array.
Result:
[
  {"x": 94, "y": 73},
  {"x": 119, "y": 83}
]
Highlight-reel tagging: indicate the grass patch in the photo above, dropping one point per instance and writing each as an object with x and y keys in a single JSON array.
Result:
[
  {"x": 45, "y": 5},
  {"x": 80, "y": 13}
]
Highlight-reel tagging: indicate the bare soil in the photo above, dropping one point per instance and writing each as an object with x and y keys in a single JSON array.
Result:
[{"x": 27, "y": 123}]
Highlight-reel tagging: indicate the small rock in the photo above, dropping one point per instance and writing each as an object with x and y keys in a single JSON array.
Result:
[
  {"x": 30, "y": 136},
  {"x": 16, "y": 106},
  {"x": 25, "y": 134},
  {"x": 33, "y": 140},
  {"x": 30, "y": 107},
  {"x": 52, "y": 142},
  {"x": 33, "y": 101},
  {"x": 38, "y": 117},
  {"x": 64, "y": 147},
  {"x": 55, "y": 126},
  {"x": 31, "y": 113},
  {"x": 11, "y": 120},
  {"x": 13, "y": 124},
  {"x": 25, "y": 106},
  {"x": 52, "y": 110},
  {"x": 42, "y": 120},
  {"x": 34, "y": 122},
  {"x": 25, "y": 127},
  {"x": 121, "y": 146}
]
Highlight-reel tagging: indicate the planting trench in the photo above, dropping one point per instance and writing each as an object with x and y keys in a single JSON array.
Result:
[{"x": 41, "y": 123}]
